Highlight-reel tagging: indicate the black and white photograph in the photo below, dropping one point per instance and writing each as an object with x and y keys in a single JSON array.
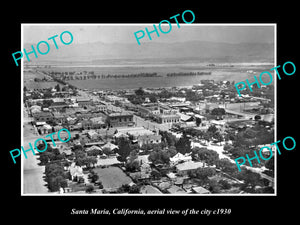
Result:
[
  {"x": 141, "y": 112},
  {"x": 154, "y": 117}
]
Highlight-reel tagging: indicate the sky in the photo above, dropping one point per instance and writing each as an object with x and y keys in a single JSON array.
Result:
[{"x": 121, "y": 33}]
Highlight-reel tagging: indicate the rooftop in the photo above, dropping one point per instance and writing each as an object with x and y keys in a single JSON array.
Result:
[
  {"x": 120, "y": 114},
  {"x": 148, "y": 189},
  {"x": 189, "y": 165}
]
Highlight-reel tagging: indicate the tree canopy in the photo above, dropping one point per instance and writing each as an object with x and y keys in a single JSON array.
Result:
[{"x": 183, "y": 145}]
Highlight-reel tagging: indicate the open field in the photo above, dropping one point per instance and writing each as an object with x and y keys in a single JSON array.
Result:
[
  {"x": 218, "y": 73},
  {"x": 31, "y": 84},
  {"x": 112, "y": 177}
]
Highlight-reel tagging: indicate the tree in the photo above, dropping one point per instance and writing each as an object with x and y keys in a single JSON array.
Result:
[
  {"x": 124, "y": 149},
  {"x": 251, "y": 179},
  {"x": 167, "y": 137},
  {"x": 57, "y": 87},
  {"x": 198, "y": 121},
  {"x": 225, "y": 165},
  {"x": 107, "y": 151},
  {"x": 270, "y": 164},
  {"x": 218, "y": 137},
  {"x": 93, "y": 176},
  {"x": 204, "y": 173},
  {"x": 214, "y": 186},
  {"x": 172, "y": 151},
  {"x": 183, "y": 145},
  {"x": 47, "y": 103},
  {"x": 155, "y": 174},
  {"x": 257, "y": 117},
  {"x": 89, "y": 189},
  {"x": 212, "y": 129},
  {"x": 152, "y": 98},
  {"x": 218, "y": 112},
  {"x": 159, "y": 156},
  {"x": 139, "y": 92},
  {"x": 134, "y": 189},
  {"x": 94, "y": 152},
  {"x": 55, "y": 176},
  {"x": 207, "y": 136},
  {"x": 132, "y": 163},
  {"x": 224, "y": 184},
  {"x": 208, "y": 156},
  {"x": 90, "y": 160}
]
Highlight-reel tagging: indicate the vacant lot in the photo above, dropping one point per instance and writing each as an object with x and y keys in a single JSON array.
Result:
[
  {"x": 112, "y": 177},
  {"x": 31, "y": 84}
]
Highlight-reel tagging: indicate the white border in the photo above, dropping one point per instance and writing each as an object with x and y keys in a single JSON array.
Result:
[{"x": 146, "y": 24}]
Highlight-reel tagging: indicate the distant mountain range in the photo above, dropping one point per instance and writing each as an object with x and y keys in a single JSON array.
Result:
[{"x": 156, "y": 52}]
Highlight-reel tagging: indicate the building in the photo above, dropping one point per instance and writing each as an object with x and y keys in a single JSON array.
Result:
[
  {"x": 101, "y": 107},
  {"x": 180, "y": 158},
  {"x": 200, "y": 190},
  {"x": 149, "y": 189},
  {"x": 171, "y": 118},
  {"x": 98, "y": 123},
  {"x": 176, "y": 190},
  {"x": 120, "y": 119},
  {"x": 140, "y": 135},
  {"x": 184, "y": 168},
  {"x": 93, "y": 135},
  {"x": 148, "y": 139},
  {"x": 43, "y": 116},
  {"x": 83, "y": 101},
  {"x": 76, "y": 171}
]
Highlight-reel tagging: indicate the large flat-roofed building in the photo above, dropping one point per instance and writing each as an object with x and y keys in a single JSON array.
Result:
[
  {"x": 140, "y": 135},
  {"x": 184, "y": 168},
  {"x": 83, "y": 101},
  {"x": 43, "y": 116},
  {"x": 172, "y": 118},
  {"x": 120, "y": 119}
]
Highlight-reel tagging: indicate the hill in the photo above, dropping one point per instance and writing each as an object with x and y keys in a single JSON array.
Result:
[{"x": 158, "y": 52}]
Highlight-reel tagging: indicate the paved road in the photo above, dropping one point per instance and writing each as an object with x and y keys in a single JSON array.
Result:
[
  {"x": 140, "y": 122},
  {"x": 33, "y": 182}
]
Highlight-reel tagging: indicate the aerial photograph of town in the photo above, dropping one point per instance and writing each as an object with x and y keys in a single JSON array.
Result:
[{"x": 162, "y": 117}]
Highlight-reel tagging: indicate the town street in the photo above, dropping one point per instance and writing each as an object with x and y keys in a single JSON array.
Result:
[{"x": 33, "y": 182}]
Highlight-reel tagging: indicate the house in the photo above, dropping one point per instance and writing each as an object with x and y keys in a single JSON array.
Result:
[
  {"x": 164, "y": 185},
  {"x": 35, "y": 109},
  {"x": 185, "y": 118},
  {"x": 98, "y": 123},
  {"x": 149, "y": 189},
  {"x": 184, "y": 168},
  {"x": 92, "y": 134},
  {"x": 111, "y": 146},
  {"x": 176, "y": 190},
  {"x": 180, "y": 157},
  {"x": 63, "y": 149},
  {"x": 200, "y": 190},
  {"x": 145, "y": 170},
  {"x": 109, "y": 161},
  {"x": 76, "y": 171},
  {"x": 45, "y": 129},
  {"x": 93, "y": 147}
]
